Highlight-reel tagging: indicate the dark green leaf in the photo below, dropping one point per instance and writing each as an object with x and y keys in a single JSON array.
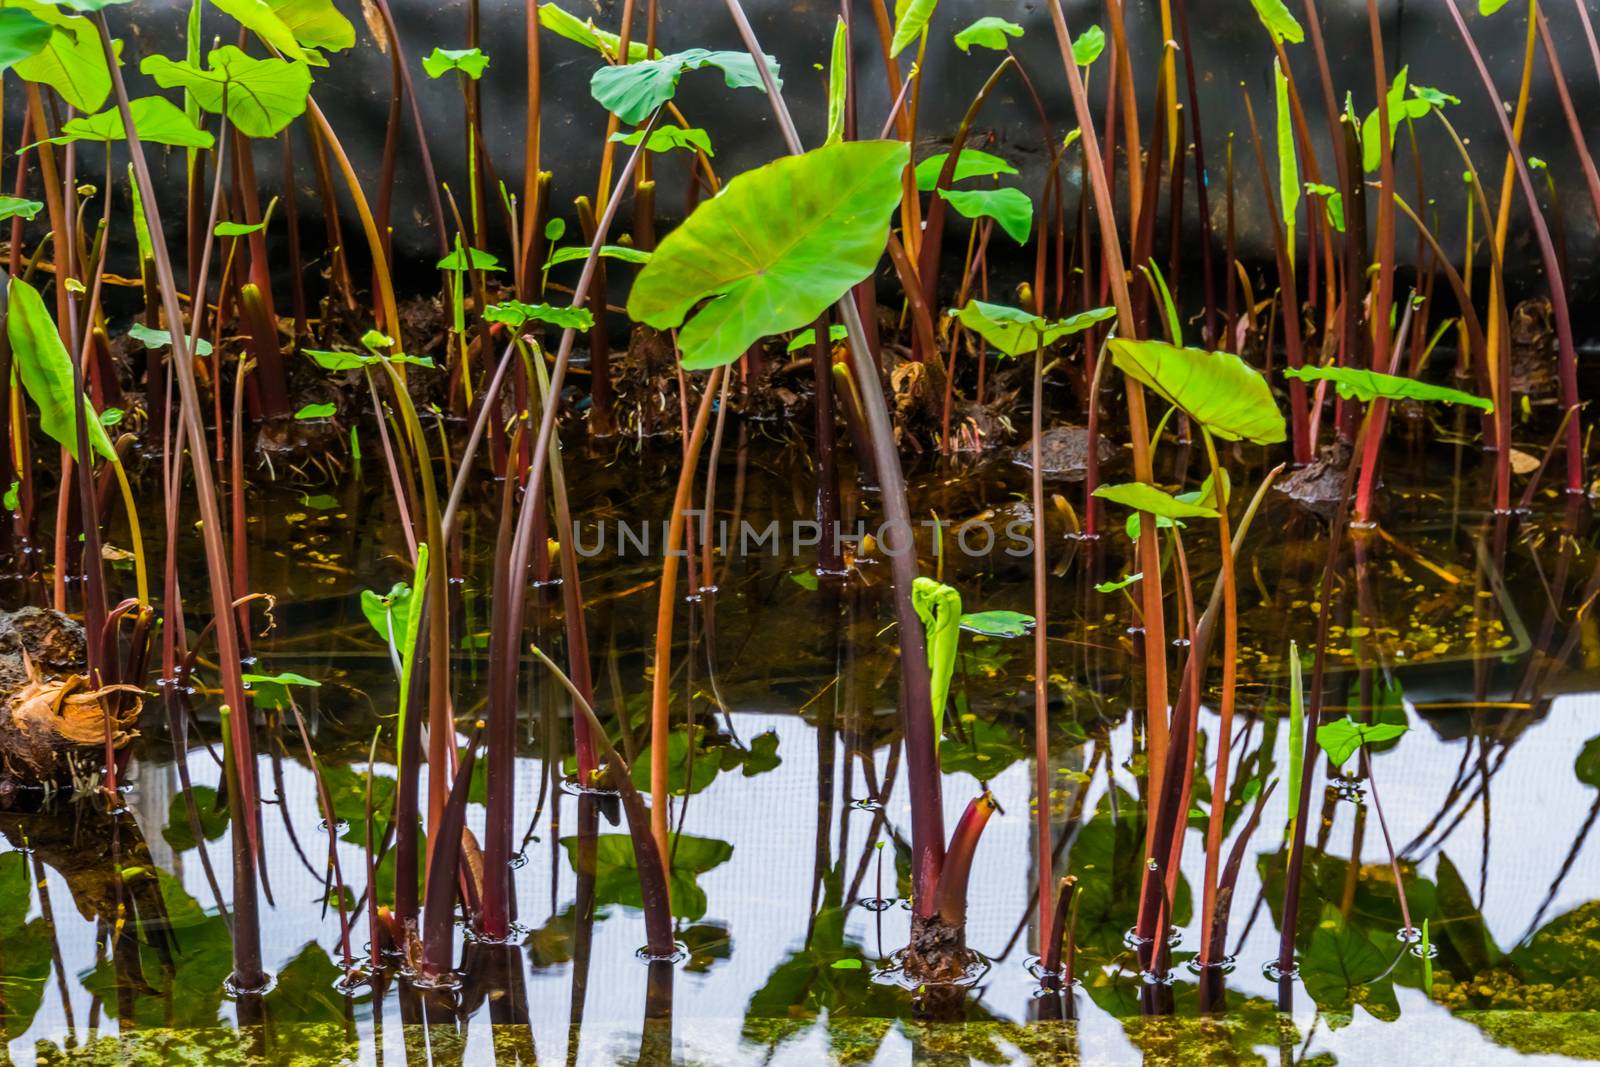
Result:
[
  {"x": 45, "y": 368},
  {"x": 634, "y": 91}
]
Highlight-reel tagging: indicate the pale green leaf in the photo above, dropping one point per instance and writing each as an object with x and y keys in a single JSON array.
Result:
[
  {"x": 1011, "y": 208},
  {"x": 777, "y": 248},
  {"x": 1218, "y": 390},
  {"x": 990, "y": 31}
]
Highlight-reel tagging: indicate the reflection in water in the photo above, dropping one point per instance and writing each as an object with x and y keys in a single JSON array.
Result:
[{"x": 789, "y": 821}]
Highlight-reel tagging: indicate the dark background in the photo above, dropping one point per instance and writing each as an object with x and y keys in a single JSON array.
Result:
[{"x": 1233, "y": 55}]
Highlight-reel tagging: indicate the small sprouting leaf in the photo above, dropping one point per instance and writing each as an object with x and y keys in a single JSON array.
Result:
[
  {"x": 382, "y": 608},
  {"x": 1333, "y": 202},
  {"x": 469, "y": 259},
  {"x": 666, "y": 138},
  {"x": 624, "y": 253},
  {"x": 1216, "y": 389},
  {"x": 846, "y": 964},
  {"x": 780, "y": 245},
  {"x": 1011, "y": 208},
  {"x": 469, "y": 61},
  {"x": 1342, "y": 738},
  {"x": 555, "y": 229},
  {"x": 1015, "y": 332},
  {"x": 910, "y": 20},
  {"x": 634, "y": 91},
  {"x": 807, "y": 338},
  {"x": 156, "y": 120},
  {"x": 1279, "y": 21},
  {"x": 1118, "y": 585},
  {"x": 1402, "y": 108},
  {"x": 238, "y": 229},
  {"x": 334, "y": 360},
  {"x": 13, "y": 497},
  {"x": 804, "y": 579},
  {"x": 1353, "y": 383},
  {"x": 1489, "y": 7},
  {"x": 838, "y": 80},
  {"x": 990, "y": 31},
  {"x": 998, "y": 623},
  {"x": 1088, "y": 45},
  {"x": 262, "y": 95},
  {"x": 971, "y": 163},
  {"x": 316, "y": 411},
  {"x": 565, "y": 24},
  {"x": 1147, "y": 498},
  {"x": 516, "y": 314},
  {"x": 151, "y": 337},
  {"x": 1288, "y": 164},
  {"x": 45, "y": 368},
  {"x": 12, "y": 206},
  {"x": 111, "y": 417},
  {"x": 1436, "y": 98},
  {"x": 272, "y": 690}
]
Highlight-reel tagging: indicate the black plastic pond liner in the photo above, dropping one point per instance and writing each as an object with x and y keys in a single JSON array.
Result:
[{"x": 1232, "y": 55}]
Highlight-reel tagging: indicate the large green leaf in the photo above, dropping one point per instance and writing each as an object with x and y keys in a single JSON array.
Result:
[
  {"x": 910, "y": 20},
  {"x": 778, "y": 247},
  {"x": 1147, "y": 498},
  {"x": 262, "y": 96},
  {"x": 259, "y": 18},
  {"x": 990, "y": 31},
  {"x": 315, "y": 23},
  {"x": 563, "y": 23},
  {"x": 1015, "y": 332},
  {"x": 971, "y": 163},
  {"x": 1011, "y": 208},
  {"x": 1279, "y": 21},
  {"x": 156, "y": 119},
  {"x": 1216, "y": 389},
  {"x": 469, "y": 61},
  {"x": 21, "y": 35},
  {"x": 634, "y": 91},
  {"x": 71, "y": 61},
  {"x": 46, "y": 371},
  {"x": 1367, "y": 385}
]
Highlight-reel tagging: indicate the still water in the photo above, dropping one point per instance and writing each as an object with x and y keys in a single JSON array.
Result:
[{"x": 793, "y": 819}]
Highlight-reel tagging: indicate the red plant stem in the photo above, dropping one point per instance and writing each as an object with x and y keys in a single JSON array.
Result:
[
  {"x": 1568, "y": 364},
  {"x": 928, "y": 254},
  {"x": 247, "y": 925},
  {"x": 1045, "y": 874},
  {"x": 953, "y": 881},
  {"x": 922, "y": 758},
  {"x": 1299, "y": 418}
]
